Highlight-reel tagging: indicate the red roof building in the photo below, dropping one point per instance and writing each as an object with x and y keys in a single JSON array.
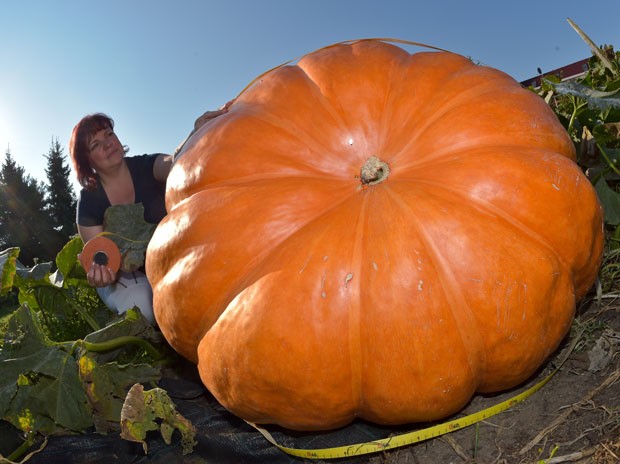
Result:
[{"x": 570, "y": 71}]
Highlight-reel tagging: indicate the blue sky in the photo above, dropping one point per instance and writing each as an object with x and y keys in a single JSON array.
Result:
[{"x": 154, "y": 66}]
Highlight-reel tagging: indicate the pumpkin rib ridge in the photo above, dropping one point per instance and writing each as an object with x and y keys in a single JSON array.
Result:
[
  {"x": 440, "y": 109},
  {"x": 493, "y": 210},
  {"x": 447, "y": 150},
  {"x": 324, "y": 100},
  {"x": 468, "y": 329},
  {"x": 248, "y": 278},
  {"x": 276, "y": 247},
  {"x": 355, "y": 329},
  {"x": 351, "y": 284},
  {"x": 305, "y": 140},
  {"x": 250, "y": 180},
  {"x": 315, "y": 94},
  {"x": 245, "y": 279},
  {"x": 448, "y": 154},
  {"x": 390, "y": 101},
  {"x": 395, "y": 59},
  {"x": 444, "y": 156}
]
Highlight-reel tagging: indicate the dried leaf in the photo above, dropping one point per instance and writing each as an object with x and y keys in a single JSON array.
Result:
[
  {"x": 603, "y": 351},
  {"x": 106, "y": 386},
  {"x": 142, "y": 411}
]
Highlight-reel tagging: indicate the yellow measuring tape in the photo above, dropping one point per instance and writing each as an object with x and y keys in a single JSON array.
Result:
[{"x": 418, "y": 435}]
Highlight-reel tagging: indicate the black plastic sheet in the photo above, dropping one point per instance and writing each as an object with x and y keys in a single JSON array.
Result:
[{"x": 221, "y": 438}]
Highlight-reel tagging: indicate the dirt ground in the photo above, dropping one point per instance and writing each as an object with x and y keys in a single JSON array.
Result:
[{"x": 575, "y": 418}]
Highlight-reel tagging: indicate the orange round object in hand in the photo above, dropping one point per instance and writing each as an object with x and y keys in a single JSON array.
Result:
[{"x": 103, "y": 251}]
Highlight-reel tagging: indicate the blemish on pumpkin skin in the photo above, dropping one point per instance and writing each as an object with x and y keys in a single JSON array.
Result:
[
  {"x": 323, "y": 294},
  {"x": 348, "y": 278},
  {"x": 303, "y": 268}
]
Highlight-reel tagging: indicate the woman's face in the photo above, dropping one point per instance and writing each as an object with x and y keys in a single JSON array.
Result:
[{"x": 105, "y": 150}]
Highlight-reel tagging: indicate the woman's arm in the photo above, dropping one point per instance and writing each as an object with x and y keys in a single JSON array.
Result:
[
  {"x": 98, "y": 275},
  {"x": 88, "y": 233},
  {"x": 162, "y": 166}
]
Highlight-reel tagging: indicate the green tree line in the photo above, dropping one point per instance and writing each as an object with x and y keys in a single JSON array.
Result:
[{"x": 37, "y": 217}]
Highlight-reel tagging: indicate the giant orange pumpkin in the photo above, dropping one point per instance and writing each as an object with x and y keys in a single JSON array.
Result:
[{"x": 373, "y": 234}]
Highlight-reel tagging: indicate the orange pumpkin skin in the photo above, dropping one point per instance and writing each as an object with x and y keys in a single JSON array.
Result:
[{"x": 309, "y": 297}]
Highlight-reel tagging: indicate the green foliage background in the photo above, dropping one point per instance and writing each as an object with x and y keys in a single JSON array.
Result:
[{"x": 589, "y": 109}]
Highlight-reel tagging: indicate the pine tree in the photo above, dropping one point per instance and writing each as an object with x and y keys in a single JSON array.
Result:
[
  {"x": 60, "y": 199},
  {"x": 24, "y": 220}
]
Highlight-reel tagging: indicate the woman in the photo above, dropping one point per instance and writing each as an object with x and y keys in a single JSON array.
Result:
[{"x": 109, "y": 178}]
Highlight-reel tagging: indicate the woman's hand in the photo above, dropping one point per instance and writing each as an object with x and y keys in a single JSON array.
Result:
[
  {"x": 212, "y": 114},
  {"x": 201, "y": 121},
  {"x": 100, "y": 275}
]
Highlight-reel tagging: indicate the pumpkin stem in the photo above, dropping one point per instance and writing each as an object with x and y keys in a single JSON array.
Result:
[{"x": 374, "y": 171}]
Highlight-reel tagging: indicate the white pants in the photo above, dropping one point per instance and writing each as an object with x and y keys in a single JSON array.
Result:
[{"x": 130, "y": 289}]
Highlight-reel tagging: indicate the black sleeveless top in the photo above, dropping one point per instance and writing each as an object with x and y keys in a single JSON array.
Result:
[{"x": 149, "y": 191}]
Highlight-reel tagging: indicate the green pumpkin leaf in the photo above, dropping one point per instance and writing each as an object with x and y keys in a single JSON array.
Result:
[
  {"x": 594, "y": 98},
  {"x": 133, "y": 324},
  {"x": 126, "y": 227},
  {"x": 40, "y": 388},
  {"x": 610, "y": 200},
  {"x": 69, "y": 270},
  {"x": 107, "y": 381},
  {"x": 8, "y": 260},
  {"x": 37, "y": 272},
  {"x": 51, "y": 387}
]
